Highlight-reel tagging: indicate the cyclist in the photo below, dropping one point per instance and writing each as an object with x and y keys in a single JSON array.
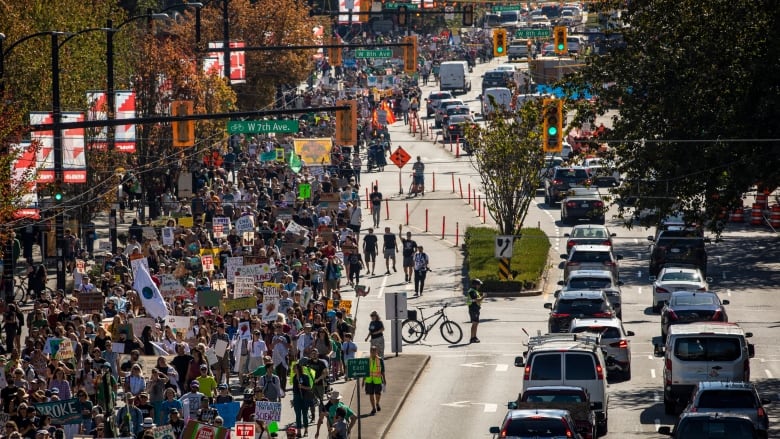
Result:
[
  {"x": 474, "y": 302},
  {"x": 419, "y": 177}
]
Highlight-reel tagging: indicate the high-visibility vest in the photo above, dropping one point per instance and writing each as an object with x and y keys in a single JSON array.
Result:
[
  {"x": 374, "y": 371},
  {"x": 469, "y": 301}
]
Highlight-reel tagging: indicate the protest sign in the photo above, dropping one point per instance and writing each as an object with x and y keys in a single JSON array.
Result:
[
  {"x": 268, "y": 411},
  {"x": 338, "y": 304},
  {"x": 229, "y": 305},
  {"x": 220, "y": 347},
  {"x": 178, "y": 323},
  {"x": 245, "y": 224},
  {"x": 219, "y": 285},
  {"x": 139, "y": 323},
  {"x": 244, "y": 331},
  {"x": 209, "y": 298},
  {"x": 198, "y": 430},
  {"x": 248, "y": 239},
  {"x": 229, "y": 412},
  {"x": 62, "y": 412},
  {"x": 243, "y": 286},
  {"x": 90, "y": 303},
  {"x": 65, "y": 351},
  {"x": 259, "y": 272},
  {"x": 207, "y": 262},
  {"x": 244, "y": 430},
  {"x": 167, "y": 236},
  {"x": 186, "y": 221},
  {"x": 295, "y": 228},
  {"x": 231, "y": 264},
  {"x": 81, "y": 266},
  {"x": 135, "y": 264},
  {"x": 270, "y": 307},
  {"x": 170, "y": 286},
  {"x": 164, "y": 432},
  {"x": 149, "y": 233},
  {"x": 220, "y": 226}
]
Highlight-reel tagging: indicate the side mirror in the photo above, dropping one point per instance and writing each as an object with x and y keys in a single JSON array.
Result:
[
  {"x": 613, "y": 234},
  {"x": 725, "y": 302},
  {"x": 560, "y": 282},
  {"x": 658, "y": 350},
  {"x": 751, "y": 350},
  {"x": 630, "y": 333},
  {"x": 708, "y": 279},
  {"x": 619, "y": 283},
  {"x": 567, "y": 235},
  {"x": 548, "y": 305},
  {"x": 495, "y": 430},
  {"x": 564, "y": 256},
  {"x": 748, "y": 334},
  {"x": 557, "y": 293},
  {"x": 766, "y": 401},
  {"x": 651, "y": 278},
  {"x": 511, "y": 405},
  {"x": 665, "y": 430},
  {"x": 519, "y": 362},
  {"x": 651, "y": 238}
]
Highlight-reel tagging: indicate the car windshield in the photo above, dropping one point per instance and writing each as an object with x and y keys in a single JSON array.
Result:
[
  {"x": 588, "y": 233},
  {"x": 693, "y": 299},
  {"x": 571, "y": 174},
  {"x": 604, "y": 331},
  {"x": 580, "y": 306},
  {"x": 494, "y": 76},
  {"x": 556, "y": 397},
  {"x": 709, "y": 428},
  {"x": 707, "y": 348},
  {"x": 440, "y": 96},
  {"x": 459, "y": 118},
  {"x": 589, "y": 283},
  {"x": 536, "y": 427},
  {"x": 590, "y": 256},
  {"x": 681, "y": 276},
  {"x": 727, "y": 399}
]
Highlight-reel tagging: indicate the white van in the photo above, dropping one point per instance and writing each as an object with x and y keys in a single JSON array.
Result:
[
  {"x": 453, "y": 75},
  {"x": 695, "y": 352},
  {"x": 501, "y": 98},
  {"x": 568, "y": 360}
]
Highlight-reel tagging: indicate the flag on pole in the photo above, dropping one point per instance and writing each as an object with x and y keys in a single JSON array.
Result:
[
  {"x": 151, "y": 298},
  {"x": 295, "y": 162}
]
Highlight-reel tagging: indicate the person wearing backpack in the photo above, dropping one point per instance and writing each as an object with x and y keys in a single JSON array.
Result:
[
  {"x": 474, "y": 302},
  {"x": 270, "y": 384}
]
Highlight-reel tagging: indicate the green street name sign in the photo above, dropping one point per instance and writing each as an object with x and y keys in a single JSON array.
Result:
[
  {"x": 377, "y": 53},
  {"x": 409, "y": 6},
  {"x": 533, "y": 33},
  {"x": 357, "y": 368},
  {"x": 500, "y": 8},
  {"x": 262, "y": 126}
]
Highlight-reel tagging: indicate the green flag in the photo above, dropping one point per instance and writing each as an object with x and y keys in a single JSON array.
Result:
[
  {"x": 268, "y": 156},
  {"x": 295, "y": 162}
]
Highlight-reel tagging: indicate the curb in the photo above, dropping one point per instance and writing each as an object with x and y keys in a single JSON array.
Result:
[{"x": 407, "y": 390}]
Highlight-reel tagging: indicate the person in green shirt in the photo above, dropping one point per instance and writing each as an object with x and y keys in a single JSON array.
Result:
[
  {"x": 329, "y": 411},
  {"x": 106, "y": 389},
  {"x": 208, "y": 384}
]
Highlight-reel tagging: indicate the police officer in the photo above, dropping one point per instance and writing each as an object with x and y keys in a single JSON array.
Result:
[{"x": 474, "y": 302}]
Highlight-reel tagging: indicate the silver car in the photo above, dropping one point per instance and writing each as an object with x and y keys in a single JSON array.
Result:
[
  {"x": 733, "y": 397},
  {"x": 613, "y": 340},
  {"x": 676, "y": 278},
  {"x": 598, "y": 280},
  {"x": 591, "y": 257}
]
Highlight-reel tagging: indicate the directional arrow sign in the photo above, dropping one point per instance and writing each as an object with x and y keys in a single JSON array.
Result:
[
  {"x": 487, "y": 407},
  {"x": 457, "y": 404}
]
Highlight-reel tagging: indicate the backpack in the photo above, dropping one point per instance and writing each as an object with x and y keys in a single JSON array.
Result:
[
  {"x": 467, "y": 292},
  {"x": 273, "y": 385}
]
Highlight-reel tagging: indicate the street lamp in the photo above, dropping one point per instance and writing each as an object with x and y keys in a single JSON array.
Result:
[{"x": 225, "y": 33}]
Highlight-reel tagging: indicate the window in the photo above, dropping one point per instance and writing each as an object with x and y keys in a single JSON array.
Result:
[
  {"x": 546, "y": 367},
  {"x": 581, "y": 306},
  {"x": 535, "y": 427},
  {"x": 707, "y": 349},
  {"x": 590, "y": 256},
  {"x": 589, "y": 283},
  {"x": 727, "y": 399},
  {"x": 580, "y": 366}
]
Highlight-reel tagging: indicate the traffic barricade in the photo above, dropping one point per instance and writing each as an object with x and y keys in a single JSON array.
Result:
[{"x": 756, "y": 217}]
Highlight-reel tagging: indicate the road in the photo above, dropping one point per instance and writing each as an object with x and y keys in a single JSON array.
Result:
[{"x": 465, "y": 388}]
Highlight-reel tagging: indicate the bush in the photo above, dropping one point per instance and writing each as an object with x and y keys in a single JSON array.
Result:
[{"x": 529, "y": 258}]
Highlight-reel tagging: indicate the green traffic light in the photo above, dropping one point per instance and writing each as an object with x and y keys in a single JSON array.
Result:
[
  {"x": 552, "y": 131},
  {"x": 560, "y": 47},
  {"x": 58, "y": 196}
]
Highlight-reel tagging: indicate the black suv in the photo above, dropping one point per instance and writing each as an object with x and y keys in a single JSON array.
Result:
[
  {"x": 577, "y": 304},
  {"x": 495, "y": 78},
  {"x": 679, "y": 246},
  {"x": 562, "y": 179},
  {"x": 583, "y": 204},
  {"x": 711, "y": 426}
]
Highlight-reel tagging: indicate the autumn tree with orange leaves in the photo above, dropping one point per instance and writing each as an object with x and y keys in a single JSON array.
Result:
[{"x": 14, "y": 185}]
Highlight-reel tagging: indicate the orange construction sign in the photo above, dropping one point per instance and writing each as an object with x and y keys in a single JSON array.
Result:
[{"x": 400, "y": 157}]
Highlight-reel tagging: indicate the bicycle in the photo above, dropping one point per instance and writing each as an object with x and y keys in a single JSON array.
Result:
[
  {"x": 22, "y": 292},
  {"x": 412, "y": 329}
]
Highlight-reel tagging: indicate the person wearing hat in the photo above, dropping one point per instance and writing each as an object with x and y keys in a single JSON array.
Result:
[
  {"x": 206, "y": 413},
  {"x": 328, "y": 412},
  {"x": 147, "y": 426},
  {"x": 474, "y": 302},
  {"x": 193, "y": 396},
  {"x": 223, "y": 394},
  {"x": 176, "y": 422},
  {"x": 303, "y": 395},
  {"x": 129, "y": 419},
  {"x": 376, "y": 330},
  {"x": 206, "y": 382},
  {"x": 246, "y": 413}
]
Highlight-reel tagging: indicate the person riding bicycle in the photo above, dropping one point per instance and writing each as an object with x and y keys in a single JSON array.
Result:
[
  {"x": 36, "y": 280},
  {"x": 419, "y": 177}
]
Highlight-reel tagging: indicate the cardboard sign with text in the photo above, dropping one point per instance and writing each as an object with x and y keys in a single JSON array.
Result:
[
  {"x": 244, "y": 303},
  {"x": 244, "y": 286}
]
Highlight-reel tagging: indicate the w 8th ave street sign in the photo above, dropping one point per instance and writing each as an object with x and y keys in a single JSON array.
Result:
[
  {"x": 533, "y": 33},
  {"x": 376, "y": 53}
]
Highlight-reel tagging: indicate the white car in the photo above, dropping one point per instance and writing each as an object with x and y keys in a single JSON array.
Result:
[
  {"x": 676, "y": 278},
  {"x": 613, "y": 340}
]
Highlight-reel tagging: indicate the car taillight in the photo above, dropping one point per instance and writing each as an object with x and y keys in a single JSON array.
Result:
[
  {"x": 566, "y": 426},
  {"x": 609, "y": 263},
  {"x": 761, "y": 413},
  {"x": 571, "y": 244},
  {"x": 571, "y": 204},
  {"x": 572, "y": 264},
  {"x": 717, "y": 316},
  {"x": 556, "y": 182},
  {"x": 660, "y": 290},
  {"x": 702, "y": 289},
  {"x": 527, "y": 373},
  {"x": 599, "y": 372},
  {"x": 603, "y": 314},
  {"x": 670, "y": 315},
  {"x": 598, "y": 204},
  {"x": 558, "y": 315},
  {"x": 622, "y": 344},
  {"x": 607, "y": 242},
  {"x": 694, "y": 410},
  {"x": 668, "y": 367},
  {"x": 452, "y": 127}
]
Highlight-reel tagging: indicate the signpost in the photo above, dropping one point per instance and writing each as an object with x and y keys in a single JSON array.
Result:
[
  {"x": 503, "y": 252},
  {"x": 400, "y": 157},
  {"x": 409, "y": 6},
  {"x": 262, "y": 126},
  {"x": 533, "y": 33},
  {"x": 375, "y": 53},
  {"x": 358, "y": 368},
  {"x": 500, "y": 8}
]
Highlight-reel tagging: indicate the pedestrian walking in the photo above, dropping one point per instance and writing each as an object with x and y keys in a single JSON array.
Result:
[
  {"x": 389, "y": 248},
  {"x": 355, "y": 263},
  {"x": 376, "y": 205},
  {"x": 303, "y": 397},
  {"x": 405, "y": 106},
  {"x": 376, "y": 330},
  {"x": 408, "y": 247},
  {"x": 474, "y": 302},
  {"x": 370, "y": 249},
  {"x": 420, "y": 270},
  {"x": 375, "y": 380},
  {"x": 355, "y": 220}
]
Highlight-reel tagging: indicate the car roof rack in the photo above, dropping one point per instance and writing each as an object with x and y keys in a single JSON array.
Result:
[{"x": 538, "y": 340}]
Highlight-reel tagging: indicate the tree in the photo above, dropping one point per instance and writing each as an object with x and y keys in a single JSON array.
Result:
[
  {"x": 697, "y": 92},
  {"x": 507, "y": 154}
]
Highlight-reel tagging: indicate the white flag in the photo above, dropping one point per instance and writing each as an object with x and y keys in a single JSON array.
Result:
[{"x": 151, "y": 298}]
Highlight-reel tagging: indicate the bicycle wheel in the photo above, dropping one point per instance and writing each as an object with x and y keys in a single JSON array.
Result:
[
  {"x": 451, "y": 332},
  {"x": 20, "y": 293},
  {"x": 412, "y": 331}
]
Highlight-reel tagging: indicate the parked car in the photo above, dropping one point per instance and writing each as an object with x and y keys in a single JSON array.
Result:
[
  {"x": 434, "y": 99},
  {"x": 739, "y": 398},
  {"x": 556, "y": 424},
  {"x": 711, "y": 426},
  {"x": 569, "y": 305},
  {"x": 692, "y": 306},
  {"x": 588, "y": 234},
  {"x": 591, "y": 257},
  {"x": 673, "y": 278},
  {"x": 614, "y": 339}
]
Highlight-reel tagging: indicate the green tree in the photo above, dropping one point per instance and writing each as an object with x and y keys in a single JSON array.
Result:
[
  {"x": 696, "y": 86},
  {"x": 507, "y": 154}
]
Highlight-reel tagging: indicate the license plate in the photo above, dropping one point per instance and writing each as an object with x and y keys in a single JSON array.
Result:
[
  {"x": 584, "y": 205},
  {"x": 675, "y": 250}
]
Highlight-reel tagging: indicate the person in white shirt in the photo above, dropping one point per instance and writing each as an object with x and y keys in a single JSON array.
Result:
[
  {"x": 257, "y": 349},
  {"x": 305, "y": 341}
]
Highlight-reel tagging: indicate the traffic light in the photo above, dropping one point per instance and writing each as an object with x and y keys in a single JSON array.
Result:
[
  {"x": 334, "y": 53},
  {"x": 559, "y": 40},
  {"x": 183, "y": 131},
  {"x": 468, "y": 15},
  {"x": 346, "y": 123},
  {"x": 499, "y": 42},
  {"x": 403, "y": 15},
  {"x": 410, "y": 54},
  {"x": 365, "y": 6},
  {"x": 57, "y": 193},
  {"x": 552, "y": 116}
]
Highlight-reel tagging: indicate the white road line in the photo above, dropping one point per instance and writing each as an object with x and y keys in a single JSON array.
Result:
[
  {"x": 652, "y": 373},
  {"x": 639, "y": 290},
  {"x": 768, "y": 374},
  {"x": 656, "y": 396},
  {"x": 636, "y": 241},
  {"x": 724, "y": 275},
  {"x": 728, "y": 292},
  {"x": 382, "y": 288},
  {"x": 490, "y": 408},
  {"x": 650, "y": 357},
  {"x": 502, "y": 367},
  {"x": 639, "y": 273}
]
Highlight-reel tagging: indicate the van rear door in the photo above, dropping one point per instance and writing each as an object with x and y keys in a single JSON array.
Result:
[
  {"x": 581, "y": 370},
  {"x": 703, "y": 358}
]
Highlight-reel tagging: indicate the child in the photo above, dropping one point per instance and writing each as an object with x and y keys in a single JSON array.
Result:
[
  {"x": 348, "y": 349},
  {"x": 339, "y": 428}
]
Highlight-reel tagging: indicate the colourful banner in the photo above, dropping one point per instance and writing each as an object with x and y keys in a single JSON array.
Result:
[
  {"x": 314, "y": 151},
  {"x": 61, "y": 412},
  {"x": 197, "y": 430}
]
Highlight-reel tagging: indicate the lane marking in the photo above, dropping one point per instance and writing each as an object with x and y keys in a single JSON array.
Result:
[
  {"x": 382, "y": 287},
  {"x": 728, "y": 292},
  {"x": 636, "y": 240},
  {"x": 502, "y": 367},
  {"x": 656, "y": 396},
  {"x": 639, "y": 290},
  {"x": 639, "y": 273},
  {"x": 490, "y": 408},
  {"x": 652, "y": 373}
]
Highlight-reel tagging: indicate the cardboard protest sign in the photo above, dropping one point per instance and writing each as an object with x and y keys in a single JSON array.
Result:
[
  {"x": 259, "y": 272},
  {"x": 167, "y": 236},
  {"x": 270, "y": 307},
  {"x": 338, "y": 304},
  {"x": 164, "y": 432},
  {"x": 207, "y": 262},
  {"x": 178, "y": 323},
  {"x": 220, "y": 226},
  {"x": 248, "y": 239},
  {"x": 62, "y": 412},
  {"x": 232, "y": 265},
  {"x": 209, "y": 298},
  {"x": 268, "y": 411},
  {"x": 243, "y": 286},
  {"x": 186, "y": 221},
  {"x": 229, "y": 412},
  {"x": 139, "y": 323},
  {"x": 65, "y": 351},
  {"x": 170, "y": 286},
  {"x": 245, "y": 224},
  {"x": 135, "y": 264},
  {"x": 149, "y": 233},
  {"x": 243, "y": 303},
  {"x": 219, "y": 285},
  {"x": 90, "y": 303}
]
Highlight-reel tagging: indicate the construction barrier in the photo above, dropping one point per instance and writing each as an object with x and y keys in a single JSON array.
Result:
[
  {"x": 737, "y": 215},
  {"x": 756, "y": 217},
  {"x": 774, "y": 216},
  {"x": 762, "y": 199}
]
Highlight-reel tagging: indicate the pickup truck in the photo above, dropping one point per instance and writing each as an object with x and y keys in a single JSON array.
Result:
[
  {"x": 571, "y": 398},
  {"x": 518, "y": 49}
]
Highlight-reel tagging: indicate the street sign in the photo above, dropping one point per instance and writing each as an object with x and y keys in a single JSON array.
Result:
[
  {"x": 533, "y": 33},
  {"x": 499, "y": 8},
  {"x": 449, "y": 12},
  {"x": 376, "y": 53},
  {"x": 400, "y": 157},
  {"x": 245, "y": 430},
  {"x": 409, "y": 6},
  {"x": 262, "y": 126},
  {"x": 504, "y": 244},
  {"x": 357, "y": 368}
]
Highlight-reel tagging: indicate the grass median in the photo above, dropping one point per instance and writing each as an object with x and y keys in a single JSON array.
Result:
[{"x": 529, "y": 258}]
